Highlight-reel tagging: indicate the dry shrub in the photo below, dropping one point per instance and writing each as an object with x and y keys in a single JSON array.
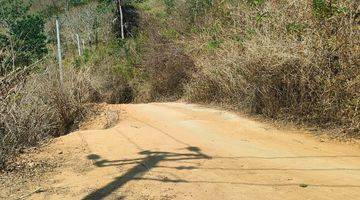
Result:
[
  {"x": 40, "y": 107},
  {"x": 34, "y": 105},
  {"x": 169, "y": 71},
  {"x": 223, "y": 86},
  {"x": 110, "y": 87},
  {"x": 107, "y": 75},
  {"x": 280, "y": 63},
  {"x": 89, "y": 21},
  {"x": 166, "y": 67}
]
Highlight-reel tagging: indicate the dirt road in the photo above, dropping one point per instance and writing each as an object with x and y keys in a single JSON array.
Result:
[{"x": 183, "y": 151}]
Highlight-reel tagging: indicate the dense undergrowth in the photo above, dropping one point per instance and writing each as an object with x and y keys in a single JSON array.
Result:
[
  {"x": 293, "y": 60},
  {"x": 290, "y": 60},
  {"x": 34, "y": 103}
]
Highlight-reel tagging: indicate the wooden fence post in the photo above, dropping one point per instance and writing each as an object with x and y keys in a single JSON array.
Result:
[
  {"x": 121, "y": 19},
  {"x": 78, "y": 43},
  {"x": 59, "y": 52}
]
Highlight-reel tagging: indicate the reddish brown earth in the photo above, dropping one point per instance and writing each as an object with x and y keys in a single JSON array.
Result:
[{"x": 185, "y": 151}]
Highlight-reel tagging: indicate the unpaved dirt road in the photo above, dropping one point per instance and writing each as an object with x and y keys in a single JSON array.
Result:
[{"x": 183, "y": 151}]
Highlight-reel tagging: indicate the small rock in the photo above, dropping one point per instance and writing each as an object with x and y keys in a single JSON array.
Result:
[
  {"x": 303, "y": 185},
  {"x": 31, "y": 164},
  {"x": 39, "y": 190},
  {"x": 60, "y": 152}
]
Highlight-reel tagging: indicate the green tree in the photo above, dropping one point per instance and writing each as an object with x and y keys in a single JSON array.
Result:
[
  {"x": 28, "y": 33},
  {"x": 11, "y": 10},
  {"x": 22, "y": 38}
]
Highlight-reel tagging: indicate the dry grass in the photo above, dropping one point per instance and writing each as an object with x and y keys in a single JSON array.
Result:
[
  {"x": 169, "y": 71},
  {"x": 38, "y": 106},
  {"x": 35, "y": 109},
  {"x": 281, "y": 61},
  {"x": 34, "y": 105},
  {"x": 165, "y": 67}
]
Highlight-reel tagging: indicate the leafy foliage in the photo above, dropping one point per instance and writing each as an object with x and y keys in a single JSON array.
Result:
[
  {"x": 256, "y": 2},
  {"x": 170, "y": 4},
  {"x": 78, "y": 2},
  {"x": 22, "y": 37},
  {"x": 30, "y": 37},
  {"x": 11, "y": 10},
  {"x": 324, "y": 8},
  {"x": 197, "y": 8}
]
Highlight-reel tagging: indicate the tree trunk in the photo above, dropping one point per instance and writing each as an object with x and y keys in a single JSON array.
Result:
[{"x": 121, "y": 19}]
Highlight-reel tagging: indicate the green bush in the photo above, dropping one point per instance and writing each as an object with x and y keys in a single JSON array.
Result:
[
  {"x": 78, "y": 2},
  {"x": 10, "y": 10},
  {"x": 50, "y": 10},
  {"x": 169, "y": 5},
  {"x": 256, "y": 2},
  {"x": 196, "y": 8},
  {"x": 22, "y": 38},
  {"x": 295, "y": 27},
  {"x": 213, "y": 44},
  {"x": 28, "y": 33},
  {"x": 325, "y": 9}
]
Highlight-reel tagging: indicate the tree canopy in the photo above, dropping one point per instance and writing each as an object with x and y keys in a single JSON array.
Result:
[{"x": 22, "y": 37}]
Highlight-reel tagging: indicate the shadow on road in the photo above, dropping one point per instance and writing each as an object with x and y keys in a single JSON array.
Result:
[{"x": 152, "y": 159}]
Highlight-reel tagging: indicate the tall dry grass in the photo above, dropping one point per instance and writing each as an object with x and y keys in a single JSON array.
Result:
[
  {"x": 34, "y": 105},
  {"x": 38, "y": 106},
  {"x": 281, "y": 60},
  {"x": 164, "y": 67}
]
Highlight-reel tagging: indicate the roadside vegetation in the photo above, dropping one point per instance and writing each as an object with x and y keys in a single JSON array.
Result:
[
  {"x": 34, "y": 104},
  {"x": 290, "y": 60}
]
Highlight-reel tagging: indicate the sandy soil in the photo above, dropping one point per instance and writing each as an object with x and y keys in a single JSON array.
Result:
[{"x": 184, "y": 151}]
